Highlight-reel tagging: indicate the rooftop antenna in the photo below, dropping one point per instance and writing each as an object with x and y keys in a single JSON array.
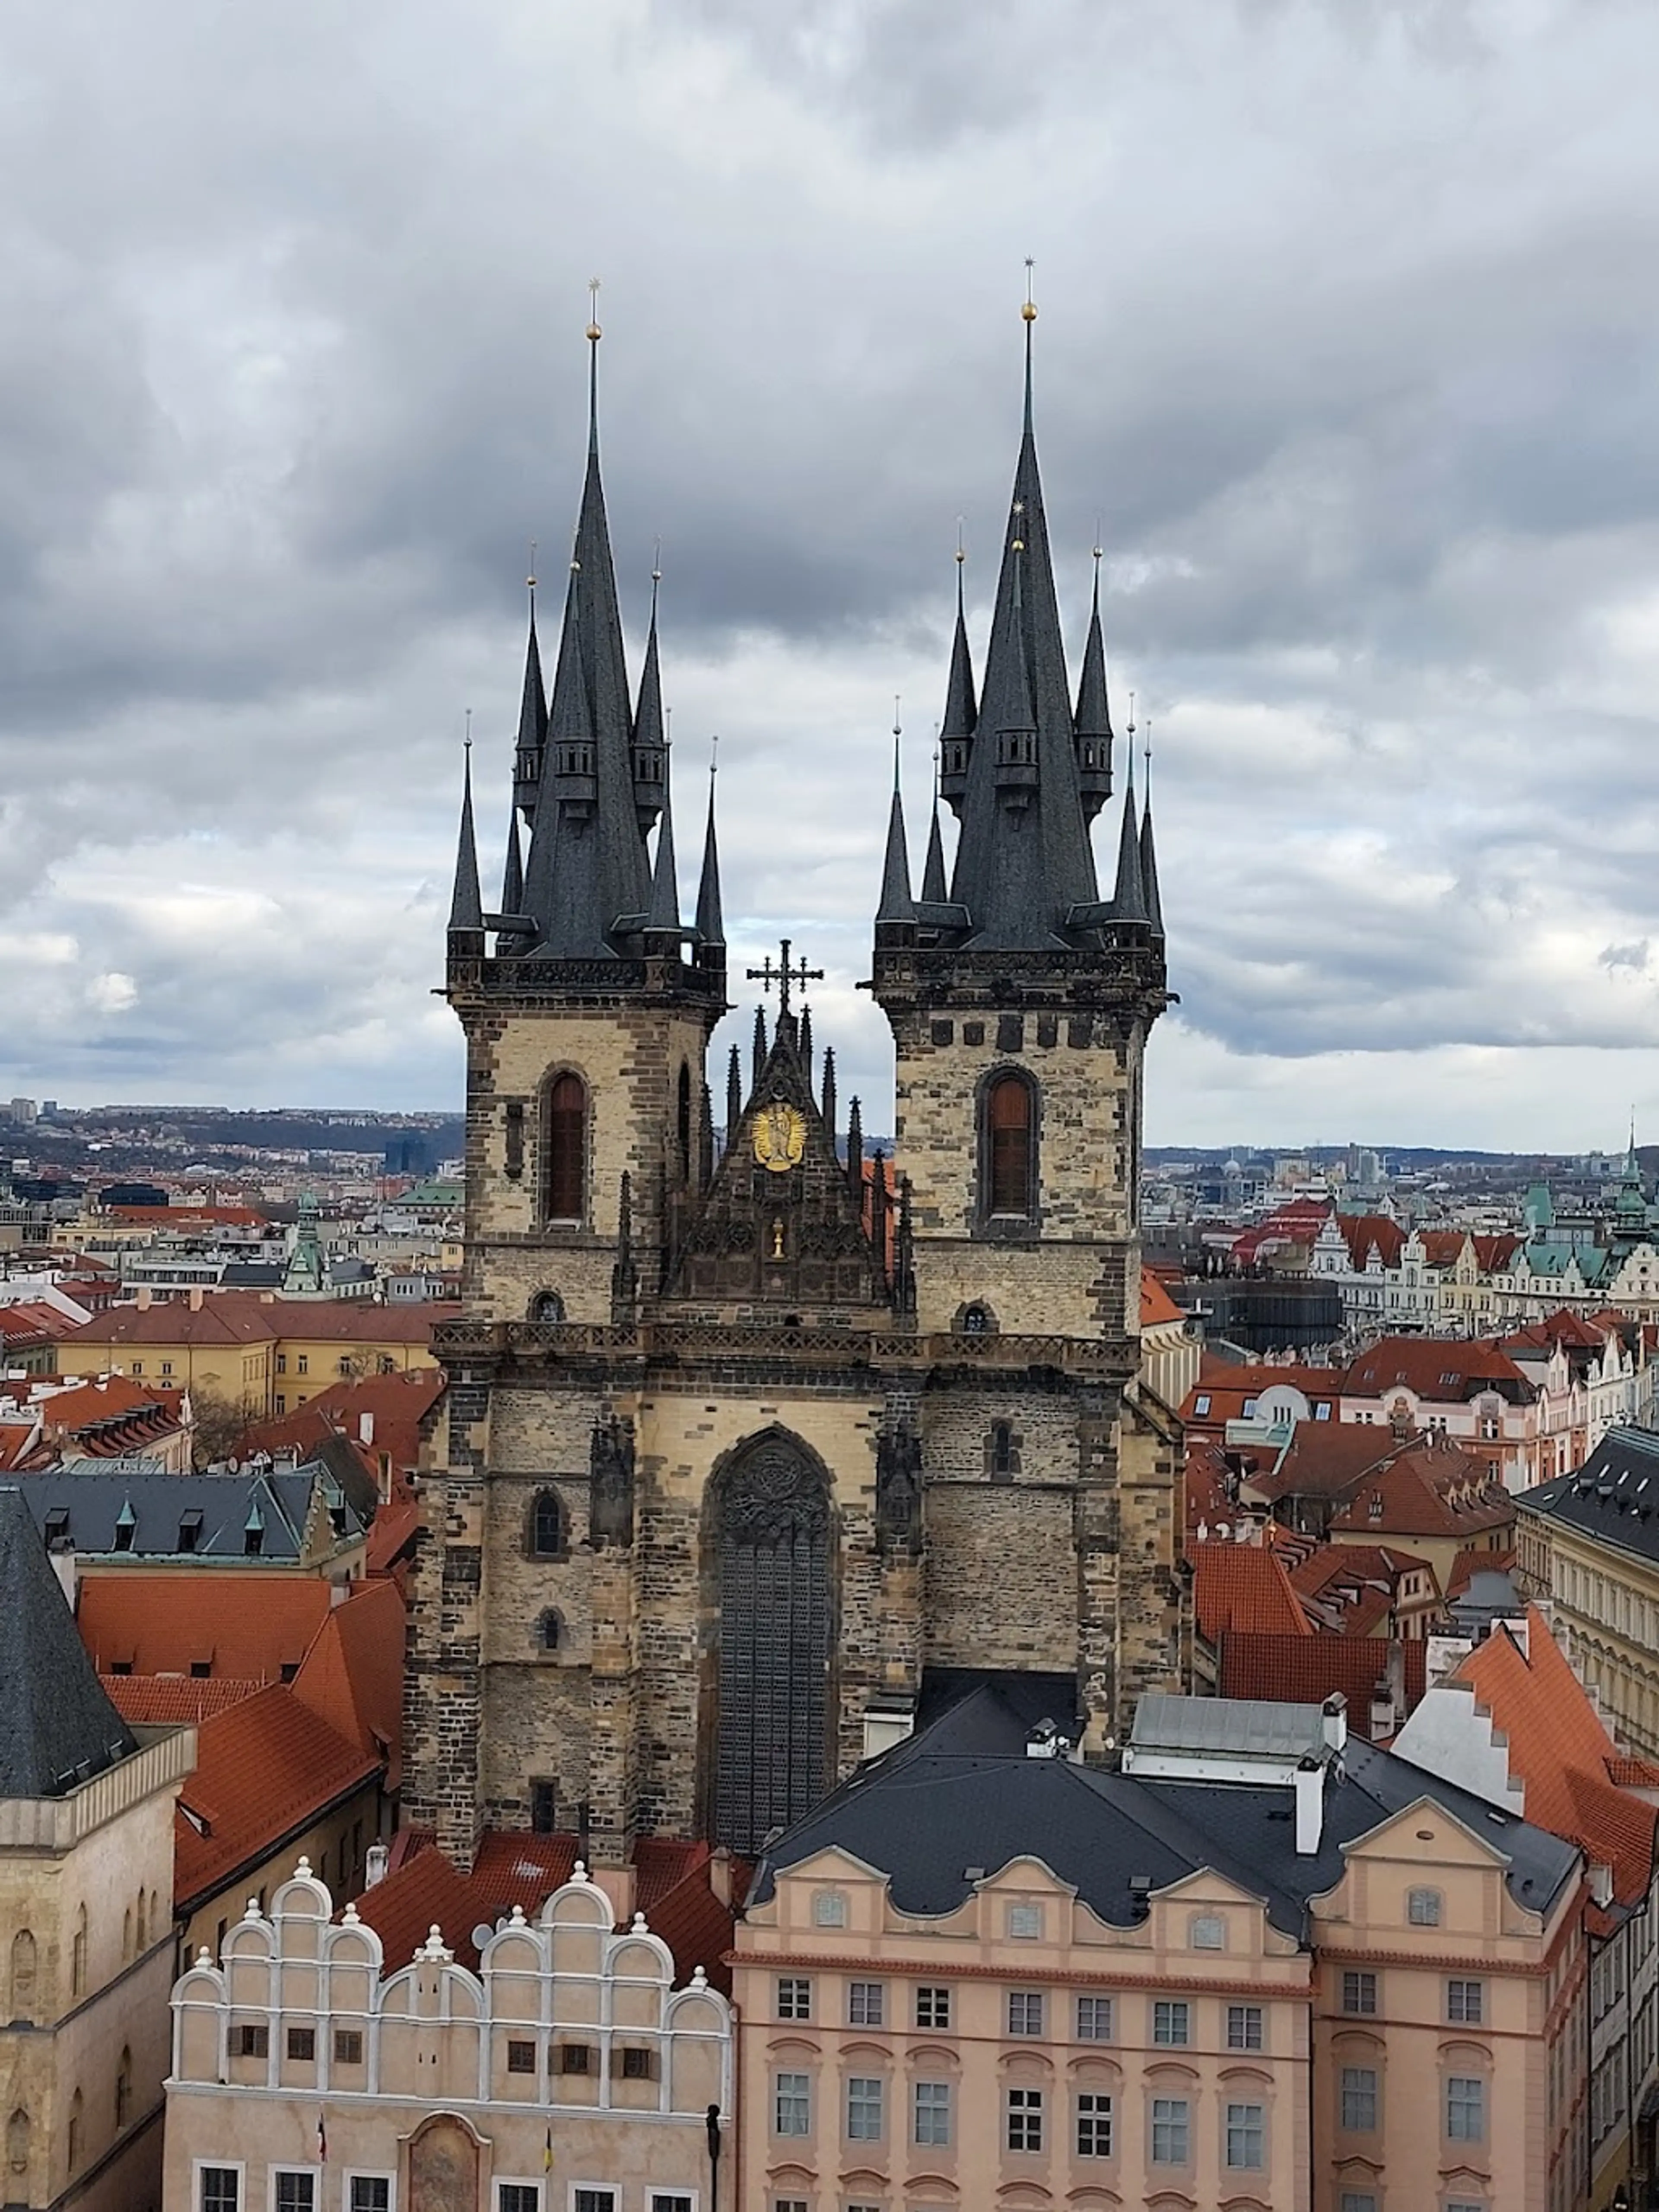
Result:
[
  {"x": 595, "y": 334},
  {"x": 1029, "y": 314}
]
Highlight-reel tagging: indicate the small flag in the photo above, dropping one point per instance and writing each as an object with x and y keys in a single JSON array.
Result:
[
  {"x": 547, "y": 2150},
  {"x": 322, "y": 2142}
]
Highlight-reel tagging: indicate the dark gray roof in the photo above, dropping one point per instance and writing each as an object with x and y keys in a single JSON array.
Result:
[
  {"x": 56, "y": 1726},
  {"x": 88, "y": 1502},
  {"x": 1020, "y": 878},
  {"x": 465, "y": 904},
  {"x": 896, "y": 904},
  {"x": 1613, "y": 1497},
  {"x": 961, "y": 1799},
  {"x": 711, "y": 927}
]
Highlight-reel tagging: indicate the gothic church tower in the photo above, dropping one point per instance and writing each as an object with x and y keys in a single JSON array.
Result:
[{"x": 754, "y": 1444}]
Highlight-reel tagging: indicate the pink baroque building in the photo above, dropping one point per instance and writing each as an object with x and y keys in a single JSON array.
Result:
[
  {"x": 1262, "y": 1968},
  {"x": 567, "y": 2075}
]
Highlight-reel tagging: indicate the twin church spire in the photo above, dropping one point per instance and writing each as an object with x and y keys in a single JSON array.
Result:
[
  {"x": 591, "y": 778},
  {"x": 1025, "y": 771}
]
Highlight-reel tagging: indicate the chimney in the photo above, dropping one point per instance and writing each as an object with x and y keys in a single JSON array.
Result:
[
  {"x": 1383, "y": 1721},
  {"x": 720, "y": 1872},
  {"x": 1309, "y": 1805},
  {"x": 143, "y": 1297},
  {"x": 374, "y": 1861},
  {"x": 1333, "y": 1723},
  {"x": 364, "y": 1428},
  {"x": 196, "y": 1298}
]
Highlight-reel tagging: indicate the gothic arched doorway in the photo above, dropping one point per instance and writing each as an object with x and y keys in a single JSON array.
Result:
[{"x": 768, "y": 1538}]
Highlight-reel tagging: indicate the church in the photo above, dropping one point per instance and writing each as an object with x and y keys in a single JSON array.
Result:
[{"x": 759, "y": 1445}]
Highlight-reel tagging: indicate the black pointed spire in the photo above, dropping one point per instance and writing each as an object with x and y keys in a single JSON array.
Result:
[
  {"x": 1024, "y": 861},
  {"x": 758, "y": 1050},
  {"x": 855, "y": 1149},
  {"x": 1148, "y": 851},
  {"x": 650, "y": 749},
  {"x": 665, "y": 914},
  {"x": 828, "y": 1108},
  {"x": 1094, "y": 719},
  {"x": 588, "y": 868},
  {"x": 956, "y": 734},
  {"x": 935, "y": 884},
  {"x": 734, "y": 1094},
  {"x": 804, "y": 1042},
  {"x": 530, "y": 758},
  {"x": 467, "y": 905},
  {"x": 711, "y": 925},
  {"x": 1128, "y": 895},
  {"x": 513, "y": 873},
  {"x": 896, "y": 903}
]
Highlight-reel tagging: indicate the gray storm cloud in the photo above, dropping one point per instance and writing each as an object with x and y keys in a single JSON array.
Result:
[{"x": 1345, "y": 355}]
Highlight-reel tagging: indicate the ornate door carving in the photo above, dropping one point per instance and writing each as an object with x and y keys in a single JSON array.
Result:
[
  {"x": 771, "y": 1539},
  {"x": 443, "y": 2168}
]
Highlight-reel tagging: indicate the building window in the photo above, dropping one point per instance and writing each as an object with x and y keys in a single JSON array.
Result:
[
  {"x": 671, "y": 2200},
  {"x": 302, "y": 2043},
  {"x": 1024, "y": 2012},
  {"x": 549, "y": 1629},
  {"x": 1094, "y": 2125},
  {"x": 639, "y": 2064},
  {"x": 1357, "y": 2200},
  {"x": 790, "y": 2105},
  {"x": 866, "y": 2004},
  {"x": 830, "y": 1909},
  {"x": 1172, "y": 2130},
  {"x": 1466, "y": 2003},
  {"x": 521, "y": 2056},
  {"x": 295, "y": 2192},
  {"x": 1359, "y": 1993},
  {"x": 252, "y": 2041},
  {"x": 794, "y": 1998},
  {"x": 547, "y": 1307},
  {"x": 1423, "y": 1908},
  {"x": 348, "y": 2046},
  {"x": 1011, "y": 1145},
  {"x": 546, "y": 1526},
  {"x": 590, "y": 2200},
  {"x": 525, "y": 2196},
  {"x": 1024, "y": 1921},
  {"x": 544, "y": 1809},
  {"x": 933, "y": 2005},
  {"x": 369, "y": 2192},
  {"x": 1025, "y": 2119},
  {"x": 1207, "y": 1931},
  {"x": 1172, "y": 2018},
  {"x": 564, "y": 1149},
  {"x": 932, "y": 2111},
  {"x": 302, "y": 1365},
  {"x": 978, "y": 1321},
  {"x": 1359, "y": 2100},
  {"x": 1244, "y": 2028},
  {"x": 124, "y": 2090},
  {"x": 575, "y": 2058},
  {"x": 220, "y": 2189},
  {"x": 863, "y": 2109},
  {"x": 1466, "y": 2108},
  {"x": 1094, "y": 2019},
  {"x": 1247, "y": 2131}
]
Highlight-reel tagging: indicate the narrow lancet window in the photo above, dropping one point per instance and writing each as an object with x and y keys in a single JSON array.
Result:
[
  {"x": 1011, "y": 1145},
  {"x": 565, "y": 1148}
]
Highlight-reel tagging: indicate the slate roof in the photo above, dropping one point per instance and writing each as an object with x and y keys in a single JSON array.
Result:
[
  {"x": 57, "y": 1727},
  {"x": 91, "y": 1497},
  {"x": 1613, "y": 1497},
  {"x": 956, "y": 1803}
]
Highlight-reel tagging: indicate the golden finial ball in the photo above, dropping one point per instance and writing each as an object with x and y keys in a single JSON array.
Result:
[
  {"x": 1029, "y": 310},
  {"x": 594, "y": 332},
  {"x": 1018, "y": 545}
]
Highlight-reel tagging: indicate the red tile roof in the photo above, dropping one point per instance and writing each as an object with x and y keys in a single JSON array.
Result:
[
  {"x": 1326, "y": 1460},
  {"x": 1472, "y": 1560},
  {"x": 1571, "y": 1329},
  {"x": 1243, "y": 1586},
  {"x": 1444, "y": 1370},
  {"x": 265, "y": 1768},
  {"x": 1360, "y": 1232},
  {"x": 1157, "y": 1306},
  {"x": 188, "y": 1217},
  {"x": 391, "y": 1537},
  {"x": 249, "y": 1628},
  {"x": 1560, "y": 1750},
  {"x": 162, "y": 1700},
  {"x": 1431, "y": 1489},
  {"x": 1307, "y": 1669},
  {"x": 353, "y": 1675},
  {"x": 400, "y": 1411}
]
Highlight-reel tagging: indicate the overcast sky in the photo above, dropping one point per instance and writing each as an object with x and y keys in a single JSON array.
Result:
[{"x": 1348, "y": 350}]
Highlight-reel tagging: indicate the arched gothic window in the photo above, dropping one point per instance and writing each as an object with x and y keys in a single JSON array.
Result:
[
  {"x": 1002, "y": 1451},
  {"x": 546, "y": 1526},
  {"x": 23, "y": 1959},
  {"x": 978, "y": 1321},
  {"x": 547, "y": 1306},
  {"x": 1010, "y": 1147},
  {"x": 78, "y": 1956},
  {"x": 17, "y": 2142},
  {"x": 550, "y": 1630},
  {"x": 564, "y": 1149}
]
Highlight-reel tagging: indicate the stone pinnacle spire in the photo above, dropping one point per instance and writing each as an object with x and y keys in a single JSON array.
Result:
[
  {"x": 1148, "y": 850},
  {"x": 664, "y": 913},
  {"x": 465, "y": 905},
  {"x": 896, "y": 903},
  {"x": 1128, "y": 895},
  {"x": 711, "y": 925}
]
